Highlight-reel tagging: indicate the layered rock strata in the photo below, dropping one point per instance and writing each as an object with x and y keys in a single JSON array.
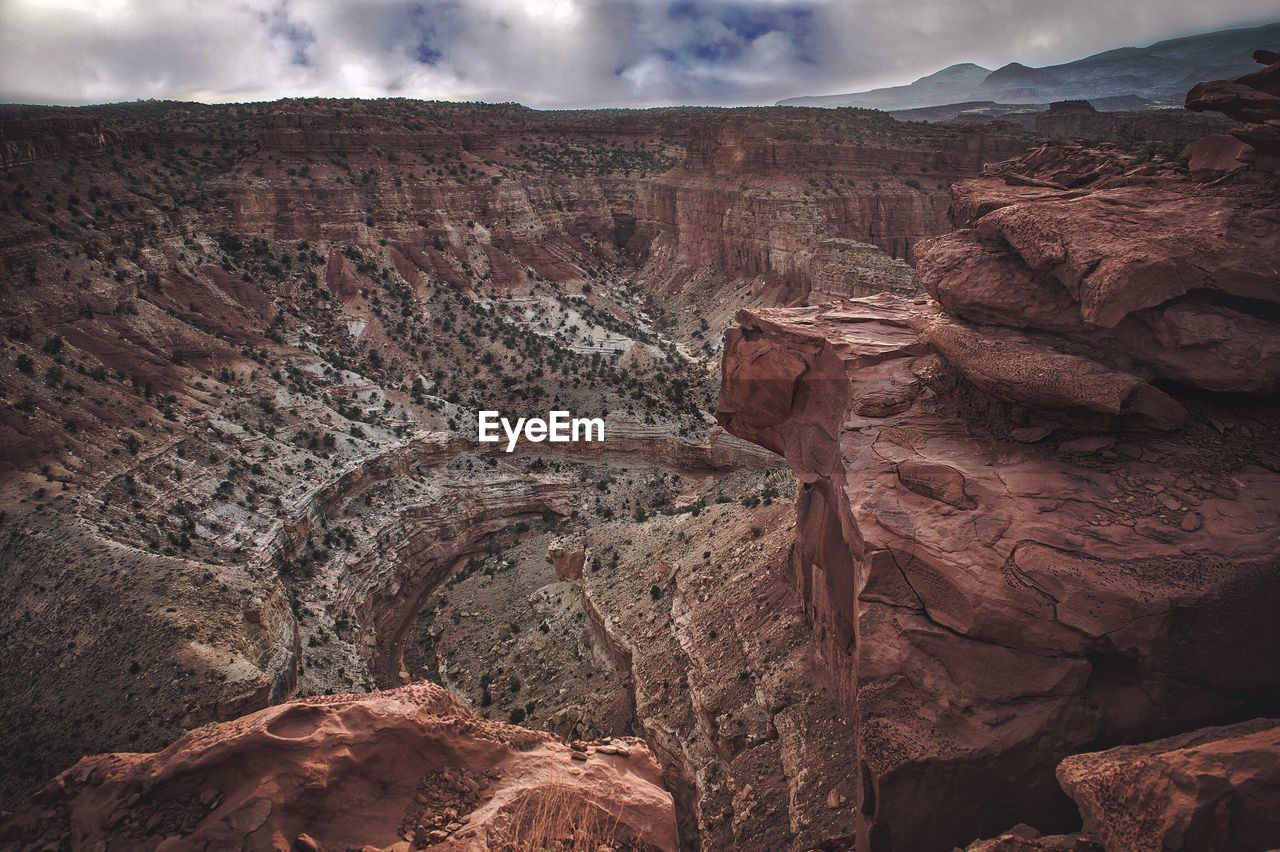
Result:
[
  {"x": 728, "y": 690},
  {"x": 1253, "y": 100},
  {"x": 227, "y": 326},
  {"x": 1133, "y": 267}
]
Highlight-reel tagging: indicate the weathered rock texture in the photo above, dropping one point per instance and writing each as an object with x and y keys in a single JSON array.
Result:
[
  {"x": 1132, "y": 267},
  {"x": 1018, "y": 538},
  {"x": 40, "y": 137},
  {"x": 1079, "y": 119},
  {"x": 819, "y": 187},
  {"x": 1212, "y": 789},
  {"x": 1253, "y": 100},
  {"x": 351, "y": 771},
  {"x": 728, "y": 690}
]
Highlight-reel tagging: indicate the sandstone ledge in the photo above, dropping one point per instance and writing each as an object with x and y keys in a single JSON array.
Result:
[
  {"x": 1212, "y": 789},
  {"x": 997, "y": 579}
]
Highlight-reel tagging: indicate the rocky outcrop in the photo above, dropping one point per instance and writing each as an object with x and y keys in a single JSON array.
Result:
[
  {"x": 408, "y": 768},
  {"x": 727, "y": 689},
  {"x": 1114, "y": 261},
  {"x": 141, "y": 648},
  {"x": 1024, "y": 515},
  {"x": 1253, "y": 100},
  {"x": 999, "y": 577},
  {"x": 1212, "y": 789},
  {"x": 1079, "y": 119},
  {"x": 567, "y": 558},
  {"x": 41, "y": 137},
  {"x": 1025, "y": 838},
  {"x": 748, "y": 200},
  {"x": 423, "y": 545}
]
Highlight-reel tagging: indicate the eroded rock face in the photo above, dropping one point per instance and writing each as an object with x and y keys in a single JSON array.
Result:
[
  {"x": 217, "y": 489},
  {"x": 1002, "y": 557},
  {"x": 996, "y": 586},
  {"x": 1026, "y": 523},
  {"x": 40, "y": 137},
  {"x": 1212, "y": 789},
  {"x": 567, "y": 558},
  {"x": 1253, "y": 100},
  {"x": 347, "y": 771},
  {"x": 728, "y": 691},
  {"x": 1140, "y": 271},
  {"x": 797, "y": 223}
]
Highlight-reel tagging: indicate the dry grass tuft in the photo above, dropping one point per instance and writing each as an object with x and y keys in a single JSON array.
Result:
[{"x": 558, "y": 818}]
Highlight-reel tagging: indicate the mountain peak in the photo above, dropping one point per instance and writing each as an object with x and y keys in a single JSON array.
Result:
[
  {"x": 1157, "y": 73},
  {"x": 959, "y": 71},
  {"x": 1011, "y": 71}
]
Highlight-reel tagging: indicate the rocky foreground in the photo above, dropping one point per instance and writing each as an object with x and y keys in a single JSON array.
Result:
[
  {"x": 407, "y": 768},
  {"x": 1039, "y": 512}
]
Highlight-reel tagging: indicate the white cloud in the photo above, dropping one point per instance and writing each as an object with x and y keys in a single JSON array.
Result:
[{"x": 549, "y": 52}]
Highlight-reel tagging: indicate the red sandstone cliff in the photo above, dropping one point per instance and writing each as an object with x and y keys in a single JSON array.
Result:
[
  {"x": 30, "y": 138},
  {"x": 1028, "y": 523}
]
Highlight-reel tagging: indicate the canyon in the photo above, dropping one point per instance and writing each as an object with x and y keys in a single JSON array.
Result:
[{"x": 938, "y": 499}]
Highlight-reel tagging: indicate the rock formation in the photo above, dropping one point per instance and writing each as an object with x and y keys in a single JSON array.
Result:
[
  {"x": 236, "y": 333},
  {"x": 728, "y": 691},
  {"x": 407, "y": 768},
  {"x": 1253, "y": 100},
  {"x": 1080, "y": 120},
  {"x": 29, "y": 138},
  {"x": 567, "y": 558},
  {"x": 1028, "y": 525},
  {"x": 1155, "y": 293},
  {"x": 1212, "y": 789}
]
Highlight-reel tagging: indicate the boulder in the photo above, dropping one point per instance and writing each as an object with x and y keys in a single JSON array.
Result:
[
  {"x": 1214, "y": 156},
  {"x": 567, "y": 558},
  {"x": 1253, "y": 100},
  {"x": 410, "y": 766},
  {"x": 1162, "y": 280},
  {"x": 1213, "y": 789}
]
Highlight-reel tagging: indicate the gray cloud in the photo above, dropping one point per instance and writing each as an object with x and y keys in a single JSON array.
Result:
[{"x": 551, "y": 53}]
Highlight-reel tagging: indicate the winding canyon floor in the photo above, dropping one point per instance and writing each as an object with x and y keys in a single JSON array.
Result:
[{"x": 244, "y": 352}]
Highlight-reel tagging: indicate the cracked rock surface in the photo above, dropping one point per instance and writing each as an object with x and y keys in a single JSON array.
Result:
[{"x": 1015, "y": 541}]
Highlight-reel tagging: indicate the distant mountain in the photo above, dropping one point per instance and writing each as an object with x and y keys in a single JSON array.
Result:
[
  {"x": 1160, "y": 73},
  {"x": 949, "y": 85}
]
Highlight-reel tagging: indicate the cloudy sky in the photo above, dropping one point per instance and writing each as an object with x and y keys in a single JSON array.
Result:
[{"x": 552, "y": 53}]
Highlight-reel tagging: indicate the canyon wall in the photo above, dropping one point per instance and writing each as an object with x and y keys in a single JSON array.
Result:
[
  {"x": 192, "y": 295},
  {"x": 235, "y": 335},
  {"x": 35, "y": 137},
  {"x": 789, "y": 197},
  {"x": 1031, "y": 522}
]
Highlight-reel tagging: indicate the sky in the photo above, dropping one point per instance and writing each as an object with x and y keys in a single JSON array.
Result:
[{"x": 553, "y": 53}]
